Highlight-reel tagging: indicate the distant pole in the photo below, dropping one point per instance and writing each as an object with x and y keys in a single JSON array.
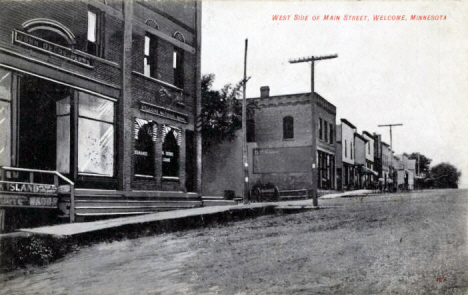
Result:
[
  {"x": 312, "y": 60},
  {"x": 245, "y": 163},
  {"x": 391, "y": 143},
  {"x": 419, "y": 166}
]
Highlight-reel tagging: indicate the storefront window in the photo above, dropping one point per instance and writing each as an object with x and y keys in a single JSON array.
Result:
[
  {"x": 63, "y": 135},
  {"x": 170, "y": 152},
  {"x": 5, "y": 85},
  {"x": 95, "y": 135},
  {"x": 145, "y": 136},
  {"x": 5, "y": 118}
]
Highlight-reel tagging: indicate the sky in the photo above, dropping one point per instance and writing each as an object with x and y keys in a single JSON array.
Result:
[{"x": 389, "y": 71}]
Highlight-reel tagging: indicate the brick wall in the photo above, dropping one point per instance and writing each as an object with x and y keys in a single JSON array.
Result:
[
  {"x": 269, "y": 121},
  {"x": 72, "y": 15}
]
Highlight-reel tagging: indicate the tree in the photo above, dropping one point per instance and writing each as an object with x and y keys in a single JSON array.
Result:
[
  {"x": 221, "y": 113},
  {"x": 445, "y": 175},
  {"x": 423, "y": 164}
]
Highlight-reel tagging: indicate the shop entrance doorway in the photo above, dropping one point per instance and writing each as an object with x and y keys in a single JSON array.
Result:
[{"x": 38, "y": 105}]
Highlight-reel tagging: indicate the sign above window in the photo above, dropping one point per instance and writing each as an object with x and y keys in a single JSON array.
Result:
[{"x": 42, "y": 45}]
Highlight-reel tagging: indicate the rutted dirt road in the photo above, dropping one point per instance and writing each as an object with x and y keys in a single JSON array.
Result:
[{"x": 394, "y": 244}]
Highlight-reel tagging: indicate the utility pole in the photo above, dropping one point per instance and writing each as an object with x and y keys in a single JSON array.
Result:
[
  {"x": 391, "y": 143},
  {"x": 419, "y": 166},
  {"x": 245, "y": 163},
  {"x": 313, "y": 102}
]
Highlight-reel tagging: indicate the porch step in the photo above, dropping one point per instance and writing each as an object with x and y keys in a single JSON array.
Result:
[
  {"x": 218, "y": 201},
  {"x": 292, "y": 198},
  {"x": 289, "y": 195},
  {"x": 91, "y": 202}
]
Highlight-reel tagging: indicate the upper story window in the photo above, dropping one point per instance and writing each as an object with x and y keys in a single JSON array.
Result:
[
  {"x": 325, "y": 131},
  {"x": 320, "y": 128},
  {"x": 288, "y": 127},
  {"x": 368, "y": 148},
  {"x": 331, "y": 133},
  {"x": 178, "y": 66},
  {"x": 95, "y": 36},
  {"x": 345, "y": 148},
  {"x": 351, "y": 149},
  {"x": 178, "y": 61},
  {"x": 150, "y": 56}
]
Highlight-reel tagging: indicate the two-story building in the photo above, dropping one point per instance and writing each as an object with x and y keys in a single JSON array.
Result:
[
  {"x": 345, "y": 148},
  {"x": 405, "y": 169},
  {"x": 360, "y": 143},
  {"x": 279, "y": 140},
  {"x": 99, "y": 95},
  {"x": 371, "y": 175}
]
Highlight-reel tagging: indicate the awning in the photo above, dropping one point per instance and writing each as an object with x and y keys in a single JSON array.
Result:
[{"x": 366, "y": 170}]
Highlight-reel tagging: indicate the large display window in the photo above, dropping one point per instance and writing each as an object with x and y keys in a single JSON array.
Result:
[
  {"x": 63, "y": 135},
  {"x": 95, "y": 135},
  {"x": 170, "y": 152},
  {"x": 5, "y": 118},
  {"x": 145, "y": 136}
]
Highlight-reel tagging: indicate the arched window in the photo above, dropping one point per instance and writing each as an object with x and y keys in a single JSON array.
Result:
[
  {"x": 170, "y": 152},
  {"x": 179, "y": 36},
  {"x": 145, "y": 134},
  {"x": 50, "y": 30},
  {"x": 152, "y": 23},
  {"x": 288, "y": 127}
]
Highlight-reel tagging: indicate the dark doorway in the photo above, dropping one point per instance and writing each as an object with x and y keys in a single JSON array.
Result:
[
  {"x": 190, "y": 161},
  {"x": 37, "y": 123}
]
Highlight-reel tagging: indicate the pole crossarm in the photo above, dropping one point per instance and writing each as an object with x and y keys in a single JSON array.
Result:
[
  {"x": 313, "y": 58},
  {"x": 314, "y": 167},
  {"x": 390, "y": 125}
]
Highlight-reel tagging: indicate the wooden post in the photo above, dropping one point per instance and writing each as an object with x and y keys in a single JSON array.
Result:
[
  {"x": 313, "y": 103},
  {"x": 72, "y": 203},
  {"x": 198, "y": 102},
  {"x": 2, "y": 220},
  {"x": 245, "y": 167}
]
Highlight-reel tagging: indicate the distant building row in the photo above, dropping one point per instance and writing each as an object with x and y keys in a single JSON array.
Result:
[{"x": 279, "y": 140}]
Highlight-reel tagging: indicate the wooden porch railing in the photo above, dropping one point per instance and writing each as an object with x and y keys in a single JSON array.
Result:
[{"x": 56, "y": 174}]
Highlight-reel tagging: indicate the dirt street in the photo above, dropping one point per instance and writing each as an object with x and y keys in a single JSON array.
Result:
[{"x": 413, "y": 243}]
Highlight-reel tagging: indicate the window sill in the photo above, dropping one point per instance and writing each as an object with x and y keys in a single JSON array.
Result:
[
  {"x": 158, "y": 81},
  {"x": 171, "y": 178},
  {"x": 288, "y": 139},
  {"x": 144, "y": 176},
  {"x": 99, "y": 59},
  {"x": 95, "y": 175}
]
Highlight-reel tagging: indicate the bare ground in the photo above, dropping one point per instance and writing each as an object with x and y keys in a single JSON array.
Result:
[{"x": 394, "y": 244}]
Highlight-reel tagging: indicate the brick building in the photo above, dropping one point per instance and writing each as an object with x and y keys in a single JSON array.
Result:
[
  {"x": 279, "y": 140},
  {"x": 104, "y": 94}
]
